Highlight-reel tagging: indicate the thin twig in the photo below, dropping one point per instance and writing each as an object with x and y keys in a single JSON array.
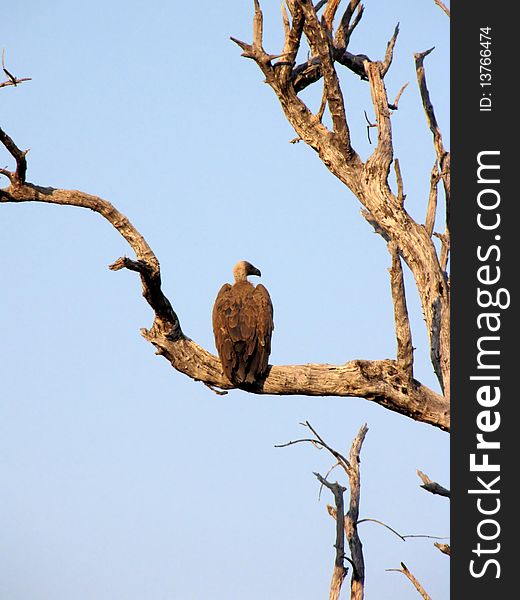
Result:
[
  {"x": 432, "y": 486},
  {"x": 401, "y": 196},
  {"x": 18, "y": 177},
  {"x": 384, "y": 525},
  {"x": 444, "y": 548},
  {"x": 443, "y": 156},
  {"x": 355, "y": 22},
  {"x": 357, "y": 584},
  {"x": 329, "y": 13},
  {"x": 258, "y": 28},
  {"x": 404, "y": 569}
]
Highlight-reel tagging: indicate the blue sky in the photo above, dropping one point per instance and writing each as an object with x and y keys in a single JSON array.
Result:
[{"x": 121, "y": 478}]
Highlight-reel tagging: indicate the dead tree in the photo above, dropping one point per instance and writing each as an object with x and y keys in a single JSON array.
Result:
[
  {"x": 388, "y": 382},
  {"x": 385, "y": 210},
  {"x": 346, "y": 523}
]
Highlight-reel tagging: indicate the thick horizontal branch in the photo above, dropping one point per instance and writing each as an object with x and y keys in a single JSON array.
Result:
[
  {"x": 381, "y": 381},
  {"x": 367, "y": 181},
  {"x": 405, "y": 571}
]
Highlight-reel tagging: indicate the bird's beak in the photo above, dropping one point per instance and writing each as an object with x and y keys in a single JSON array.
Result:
[{"x": 257, "y": 272}]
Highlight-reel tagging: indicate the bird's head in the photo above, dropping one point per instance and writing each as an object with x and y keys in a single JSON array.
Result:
[{"x": 242, "y": 269}]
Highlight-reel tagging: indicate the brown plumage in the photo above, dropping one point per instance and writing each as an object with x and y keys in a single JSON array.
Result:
[{"x": 243, "y": 324}]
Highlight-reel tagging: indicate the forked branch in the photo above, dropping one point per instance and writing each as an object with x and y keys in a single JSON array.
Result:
[
  {"x": 383, "y": 382},
  {"x": 11, "y": 79},
  {"x": 402, "y": 323},
  {"x": 346, "y": 524},
  {"x": 409, "y": 575}
]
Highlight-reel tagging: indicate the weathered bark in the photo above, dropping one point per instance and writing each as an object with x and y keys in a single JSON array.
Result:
[
  {"x": 368, "y": 181},
  {"x": 407, "y": 573},
  {"x": 357, "y": 583},
  {"x": 384, "y": 382},
  {"x": 339, "y": 572}
]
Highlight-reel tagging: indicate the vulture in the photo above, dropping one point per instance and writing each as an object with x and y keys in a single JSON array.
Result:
[{"x": 242, "y": 325}]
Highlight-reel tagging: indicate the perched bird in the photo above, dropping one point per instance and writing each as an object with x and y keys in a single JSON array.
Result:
[{"x": 243, "y": 325}]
